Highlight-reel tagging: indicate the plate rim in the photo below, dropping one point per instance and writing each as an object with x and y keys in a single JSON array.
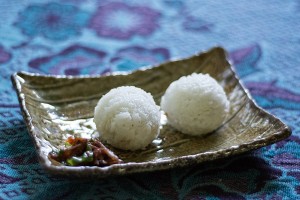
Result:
[{"x": 119, "y": 169}]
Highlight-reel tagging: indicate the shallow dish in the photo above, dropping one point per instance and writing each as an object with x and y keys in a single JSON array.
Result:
[{"x": 55, "y": 107}]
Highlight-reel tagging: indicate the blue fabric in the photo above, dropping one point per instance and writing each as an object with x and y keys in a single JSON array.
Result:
[{"x": 95, "y": 37}]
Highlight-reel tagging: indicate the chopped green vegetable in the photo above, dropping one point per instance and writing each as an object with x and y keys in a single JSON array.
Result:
[{"x": 87, "y": 157}]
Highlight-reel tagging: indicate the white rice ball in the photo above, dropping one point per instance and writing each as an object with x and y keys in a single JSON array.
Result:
[
  {"x": 127, "y": 118},
  {"x": 195, "y": 104}
]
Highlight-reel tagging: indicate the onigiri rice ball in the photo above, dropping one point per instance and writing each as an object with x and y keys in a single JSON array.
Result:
[
  {"x": 195, "y": 104},
  {"x": 127, "y": 118}
]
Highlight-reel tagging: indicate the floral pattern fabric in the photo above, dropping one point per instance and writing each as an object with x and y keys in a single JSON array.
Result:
[
  {"x": 72, "y": 37},
  {"x": 53, "y": 21}
]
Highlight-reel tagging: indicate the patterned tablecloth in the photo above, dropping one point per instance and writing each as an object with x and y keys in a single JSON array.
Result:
[{"x": 94, "y": 37}]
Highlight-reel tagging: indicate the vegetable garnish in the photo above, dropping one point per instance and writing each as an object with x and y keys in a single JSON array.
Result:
[{"x": 84, "y": 152}]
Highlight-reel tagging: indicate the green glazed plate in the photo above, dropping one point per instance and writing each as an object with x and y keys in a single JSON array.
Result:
[{"x": 55, "y": 107}]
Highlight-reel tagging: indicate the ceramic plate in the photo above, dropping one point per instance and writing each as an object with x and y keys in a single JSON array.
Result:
[{"x": 55, "y": 107}]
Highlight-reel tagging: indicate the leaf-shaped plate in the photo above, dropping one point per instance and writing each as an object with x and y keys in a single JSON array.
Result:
[{"x": 55, "y": 107}]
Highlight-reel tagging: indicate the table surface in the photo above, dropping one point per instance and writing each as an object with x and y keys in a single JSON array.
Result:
[{"x": 94, "y": 37}]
